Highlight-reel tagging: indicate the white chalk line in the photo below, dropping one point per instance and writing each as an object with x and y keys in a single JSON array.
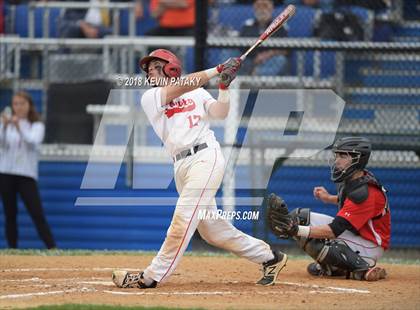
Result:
[
  {"x": 100, "y": 281},
  {"x": 15, "y": 296},
  {"x": 318, "y": 290},
  {"x": 105, "y": 283},
  {"x": 315, "y": 289},
  {"x": 84, "y": 290},
  {"x": 29, "y": 295},
  {"x": 155, "y": 293},
  {"x": 171, "y": 293},
  {"x": 313, "y": 286},
  {"x": 326, "y": 292},
  {"x": 65, "y": 269},
  {"x": 53, "y": 279},
  {"x": 342, "y": 289},
  {"x": 22, "y": 280},
  {"x": 197, "y": 293}
]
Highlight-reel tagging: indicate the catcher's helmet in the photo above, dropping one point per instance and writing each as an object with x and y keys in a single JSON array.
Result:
[
  {"x": 358, "y": 148},
  {"x": 173, "y": 67}
]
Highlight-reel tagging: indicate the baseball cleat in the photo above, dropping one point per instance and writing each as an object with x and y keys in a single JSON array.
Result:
[
  {"x": 272, "y": 268},
  {"x": 315, "y": 269},
  {"x": 375, "y": 274},
  {"x": 124, "y": 279}
]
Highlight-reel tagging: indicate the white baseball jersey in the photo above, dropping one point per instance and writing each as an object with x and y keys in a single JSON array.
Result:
[{"x": 182, "y": 123}]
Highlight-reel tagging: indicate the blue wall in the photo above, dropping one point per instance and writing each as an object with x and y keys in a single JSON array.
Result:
[{"x": 144, "y": 228}]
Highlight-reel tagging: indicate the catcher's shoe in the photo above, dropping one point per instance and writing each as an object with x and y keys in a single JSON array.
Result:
[
  {"x": 375, "y": 274},
  {"x": 125, "y": 279},
  {"x": 315, "y": 269},
  {"x": 272, "y": 268}
]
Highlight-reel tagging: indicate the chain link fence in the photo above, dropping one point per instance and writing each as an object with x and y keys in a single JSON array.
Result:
[{"x": 378, "y": 81}]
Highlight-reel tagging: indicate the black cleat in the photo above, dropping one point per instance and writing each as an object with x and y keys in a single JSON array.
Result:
[
  {"x": 272, "y": 268},
  {"x": 316, "y": 270}
]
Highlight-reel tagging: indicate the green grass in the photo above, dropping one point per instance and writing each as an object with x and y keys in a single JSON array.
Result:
[
  {"x": 97, "y": 307},
  {"x": 57, "y": 252},
  {"x": 401, "y": 261},
  {"x": 394, "y": 259},
  {"x": 37, "y": 252}
]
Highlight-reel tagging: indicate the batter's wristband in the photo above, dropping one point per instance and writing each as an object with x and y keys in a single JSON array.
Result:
[
  {"x": 223, "y": 95},
  {"x": 304, "y": 231}
]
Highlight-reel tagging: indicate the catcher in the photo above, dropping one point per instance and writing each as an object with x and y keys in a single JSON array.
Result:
[{"x": 352, "y": 242}]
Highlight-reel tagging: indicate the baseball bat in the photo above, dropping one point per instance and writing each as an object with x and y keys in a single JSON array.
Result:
[{"x": 275, "y": 25}]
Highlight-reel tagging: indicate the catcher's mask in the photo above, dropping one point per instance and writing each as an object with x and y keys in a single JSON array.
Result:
[
  {"x": 358, "y": 148},
  {"x": 173, "y": 66}
]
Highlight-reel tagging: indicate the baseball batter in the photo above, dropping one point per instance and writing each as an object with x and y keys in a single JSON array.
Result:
[
  {"x": 180, "y": 116},
  {"x": 354, "y": 240}
]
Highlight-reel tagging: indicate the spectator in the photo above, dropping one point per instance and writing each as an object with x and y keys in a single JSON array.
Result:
[
  {"x": 21, "y": 133},
  {"x": 82, "y": 23},
  {"x": 175, "y": 17},
  {"x": 376, "y": 5},
  {"x": 92, "y": 23},
  {"x": 316, "y": 4},
  {"x": 1, "y": 16},
  {"x": 139, "y": 9},
  {"x": 264, "y": 61},
  {"x": 276, "y": 2}
]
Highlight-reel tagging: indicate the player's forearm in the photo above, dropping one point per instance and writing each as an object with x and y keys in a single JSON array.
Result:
[
  {"x": 317, "y": 232},
  {"x": 193, "y": 81},
  {"x": 220, "y": 109},
  {"x": 175, "y": 4},
  {"x": 321, "y": 232},
  {"x": 333, "y": 199},
  {"x": 157, "y": 11}
]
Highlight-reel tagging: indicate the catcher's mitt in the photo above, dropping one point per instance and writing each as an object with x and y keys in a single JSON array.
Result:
[{"x": 278, "y": 218}]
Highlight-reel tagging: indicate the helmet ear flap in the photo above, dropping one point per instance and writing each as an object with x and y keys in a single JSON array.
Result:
[
  {"x": 172, "y": 70},
  {"x": 173, "y": 66}
]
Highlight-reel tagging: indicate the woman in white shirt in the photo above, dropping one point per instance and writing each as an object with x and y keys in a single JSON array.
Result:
[{"x": 21, "y": 133}]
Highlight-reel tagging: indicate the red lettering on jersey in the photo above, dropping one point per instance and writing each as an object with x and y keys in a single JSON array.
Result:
[{"x": 179, "y": 106}]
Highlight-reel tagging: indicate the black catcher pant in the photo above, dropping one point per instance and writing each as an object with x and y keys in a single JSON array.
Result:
[{"x": 27, "y": 188}]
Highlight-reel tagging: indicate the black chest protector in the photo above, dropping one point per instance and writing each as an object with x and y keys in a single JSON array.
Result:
[{"x": 357, "y": 190}]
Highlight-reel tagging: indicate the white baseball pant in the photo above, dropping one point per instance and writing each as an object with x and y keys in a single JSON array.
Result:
[
  {"x": 197, "y": 179},
  {"x": 366, "y": 248}
]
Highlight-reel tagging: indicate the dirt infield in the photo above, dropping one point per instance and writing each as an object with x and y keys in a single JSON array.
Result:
[{"x": 205, "y": 282}]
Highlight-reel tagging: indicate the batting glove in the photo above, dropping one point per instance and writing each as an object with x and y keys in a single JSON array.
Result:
[{"x": 228, "y": 71}]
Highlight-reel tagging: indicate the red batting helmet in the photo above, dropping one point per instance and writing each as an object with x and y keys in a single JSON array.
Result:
[{"x": 171, "y": 69}]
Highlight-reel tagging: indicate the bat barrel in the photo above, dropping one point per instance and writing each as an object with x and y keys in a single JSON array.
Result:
[
  {"x": 279, "y": 21},
  {"x": 288, "y": 12}
]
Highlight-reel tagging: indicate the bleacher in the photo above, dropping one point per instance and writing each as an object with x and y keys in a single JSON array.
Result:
[
  {"x": 374, "y": 84},
  {"x": 45, "y": 20},
  {"x": 141, "y": 227}
]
